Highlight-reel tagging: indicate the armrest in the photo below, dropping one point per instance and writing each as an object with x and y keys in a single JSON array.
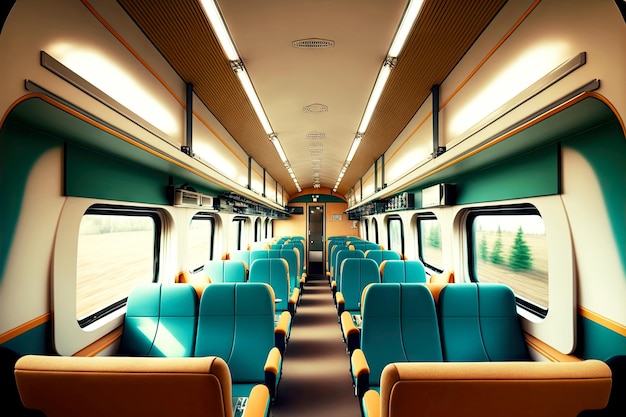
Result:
[
  {"x": 258, "y": 402},
  {"x": 360, "y": 372},
  {"x": 371, "y": 404},
  {"x": 351, "y": 333},
  {"x": 281, "y": 331},
  {"x": 295, "y": 297},
  {"x": 273, "y": 365},
  {"x": 341, "y": 302}
]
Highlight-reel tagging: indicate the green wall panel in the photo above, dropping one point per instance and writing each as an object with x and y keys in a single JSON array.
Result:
[
  {"x": 535, "y": 174},
  {"x": 36, "y": 341},
  {"x": 597, "y": 342},
  {"x": 93, "y": 174}
]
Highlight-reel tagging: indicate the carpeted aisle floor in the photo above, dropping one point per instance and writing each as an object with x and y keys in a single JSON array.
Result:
[{"x": 316, "y": 378}]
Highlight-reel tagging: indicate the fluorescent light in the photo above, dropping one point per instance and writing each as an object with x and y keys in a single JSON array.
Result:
[
  {"x": 353, "y": 148},
  {"x": 410, "y": 15},
  {"x": 217, "y": 21},
  {"x": 254, "y": 100},
  {"x": 383, "y": 75},
  {"x": 279, "y": 149}
]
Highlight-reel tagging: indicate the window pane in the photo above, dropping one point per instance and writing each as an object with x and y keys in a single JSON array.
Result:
[
  {"x": 512, "y": 249},
  {"x": 429, "y": 232},
  {"x": 115, "y": 253},
  {"x": 395, "y": 235},
  {"x": 200, "y": 248}
]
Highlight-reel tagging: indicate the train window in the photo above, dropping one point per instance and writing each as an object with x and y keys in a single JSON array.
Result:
[
  {"x": 508, "y": 245},
  {"x": 237, "y": 230},
  {"x": 429, "y": 241},
  {"x": 118, "y": 248},
  {"x": 396, "y": 234},
  {"x": 367, "y": 230},
  {"x": 375, "y": 230},
  {"x": 268, "y": 228},
  {"x": 200, "y": 242},
  {"x": 257, "y": 230}
]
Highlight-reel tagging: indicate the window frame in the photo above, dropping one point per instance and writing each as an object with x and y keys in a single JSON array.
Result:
[
  {"x": 418, "y": 235},
  {"x": 390, "y": 220},
  {"x": 524, "y": 209},
  {"x": 130, "y": 211},
  {"x": 210, "y": 217}
]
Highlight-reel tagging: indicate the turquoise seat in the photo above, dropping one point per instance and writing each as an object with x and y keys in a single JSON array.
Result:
[
  {"x": 399, "y": 324},
  {"x": 236, "y": 323},
  {"x": 356, "y": 274},
  {"x": 500, "y": 326},
  {"x": 241, "y": 255},
  {"x": 380, "y": 255},
  {"x": 226, "y": 271},
  {"x": 161, "y": 321},
  {"x": 459, "y": 323},
  {"x": 365, "y": 245},
  {"x": 141, "y": 320},
  {"x": 340, "y": 256},
  {"x": 275, "y": 272},
  {"x": 402, "y": 271},
  {"x": 290, "y": 256}
]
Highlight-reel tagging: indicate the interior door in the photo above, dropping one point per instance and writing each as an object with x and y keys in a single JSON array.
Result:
[{"x": 316, "y": 239}]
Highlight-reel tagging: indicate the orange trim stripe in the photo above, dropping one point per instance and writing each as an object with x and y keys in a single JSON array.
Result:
[
  {"x": 548, "y": 351},
  {"x": 490, "y": 54},
  {"x": 23, "y": 328},
  {"x": 101, "y": 344},
  {"x": 131, "y": 50},
  {"x": 602, "y": 321}
]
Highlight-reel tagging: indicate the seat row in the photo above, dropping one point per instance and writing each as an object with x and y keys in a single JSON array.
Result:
[
  {"x": 233, "y": 321},
  {"x": 102, "y": 386},
  {"x": 473, "y": 322}
]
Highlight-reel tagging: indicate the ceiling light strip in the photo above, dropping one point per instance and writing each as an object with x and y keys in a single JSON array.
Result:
[
  {"x": 216, "y": 19},
  {"x": 404, "y": 29}
]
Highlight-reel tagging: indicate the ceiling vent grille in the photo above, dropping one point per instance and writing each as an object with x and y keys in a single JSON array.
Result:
[
  {"x": 313, "y": 43},
  {"x": 316, "y": 135},
  {"x": 315, "y": 108}
]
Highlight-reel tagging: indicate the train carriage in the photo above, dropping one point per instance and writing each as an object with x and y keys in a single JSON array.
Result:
[{"x": 483, "y": 141}]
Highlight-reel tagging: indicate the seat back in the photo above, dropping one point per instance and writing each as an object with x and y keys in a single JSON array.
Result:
[
  {"x": 103, "y": 386},
  {"x": 160, "y": 320},
  {"x": 459, "y": 323},
  {"x": 356, "y": 274},
  {"x": 420, "y": 325},
  {"x": 236, "y": 323},
  {"x": 226, "y": 270},
  {"x": 381, "y": 329},
  {"x": 399, "y": 324},
  {"x": 380, "y": 255},
  {"x": 493, "y": 389},
  {"x": 340, "y": 256},
  {"x": 499, "y": 324},
  {"x": 274, "y": 272},
  {"x": 365, "y": 245},
  {"x": 141, "y": 320},
  {"x": 241, "y": 255},
  {"x": 402, "y": 271}
]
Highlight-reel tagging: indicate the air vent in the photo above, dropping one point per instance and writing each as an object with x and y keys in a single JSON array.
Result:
[
  {"x": 315, "y": 108},
  {"x": 316, "y": 135},
  {"x": 313, "y": 43}
]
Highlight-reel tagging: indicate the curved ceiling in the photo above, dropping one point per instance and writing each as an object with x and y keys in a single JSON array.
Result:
[{"x": 314, "y": 97}]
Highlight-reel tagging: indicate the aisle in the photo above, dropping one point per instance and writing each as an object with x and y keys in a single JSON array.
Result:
[{"x": 316, "y": 378}]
